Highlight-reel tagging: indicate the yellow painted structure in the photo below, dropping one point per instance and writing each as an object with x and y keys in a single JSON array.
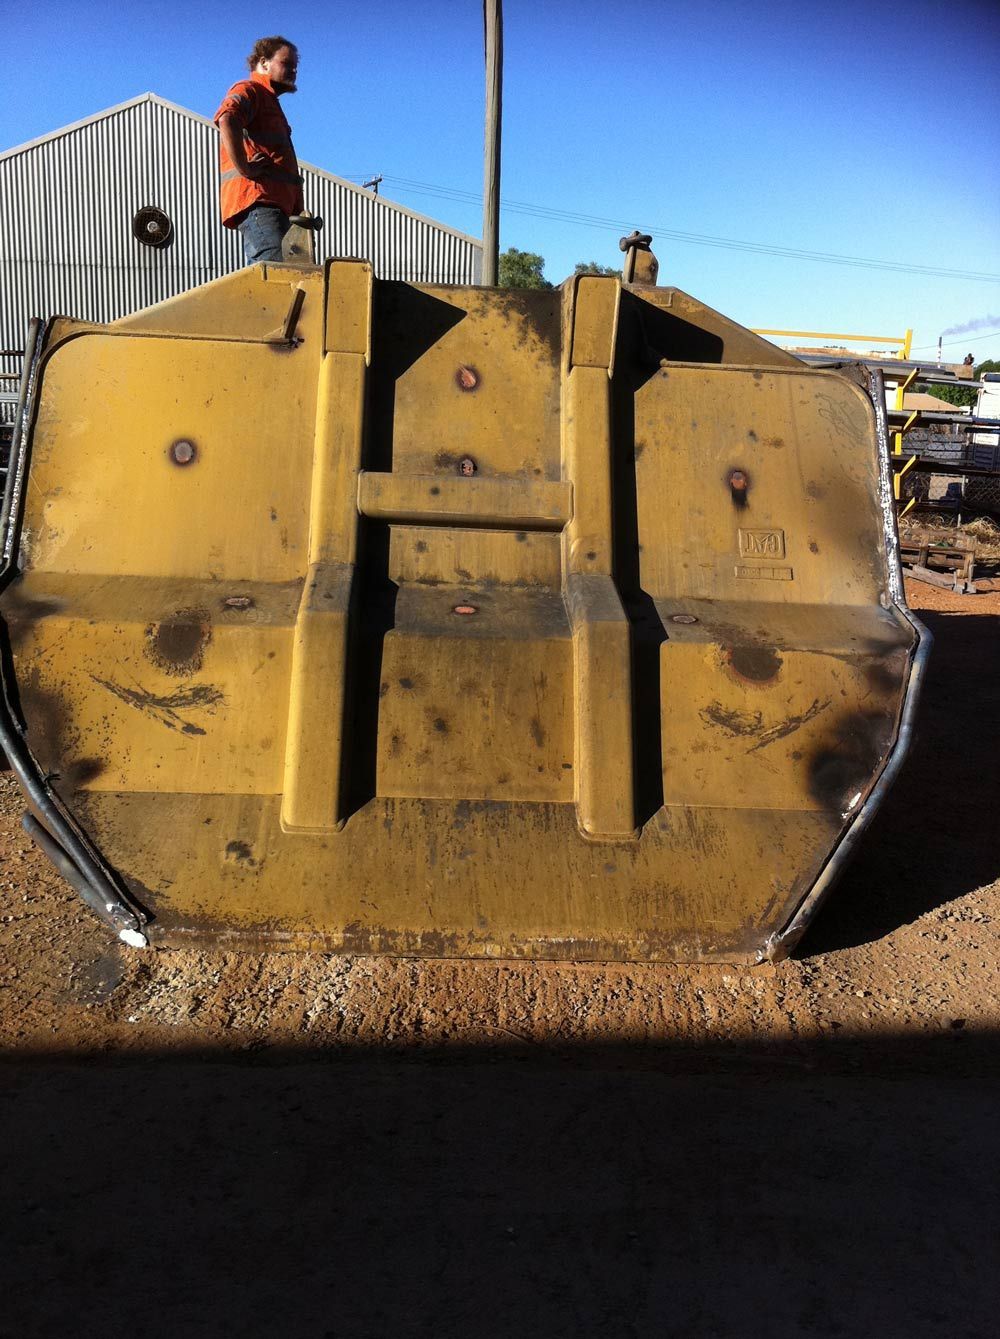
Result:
[
  {"x": 904, "y": 341},
  {"x": 388, "y": 618}
]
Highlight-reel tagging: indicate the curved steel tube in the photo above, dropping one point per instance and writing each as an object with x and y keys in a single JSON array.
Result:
[
  {"x": 780, "y": 945},
  {"x": 48, "y": 826}
]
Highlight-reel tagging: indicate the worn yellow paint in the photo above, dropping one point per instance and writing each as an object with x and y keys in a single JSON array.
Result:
[
  {"x": 427, "y": 499},
  {"x": 480, "y": 622}
]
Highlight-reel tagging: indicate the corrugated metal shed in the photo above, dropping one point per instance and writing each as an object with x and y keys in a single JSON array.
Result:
[{"x": 67, "y": 202}]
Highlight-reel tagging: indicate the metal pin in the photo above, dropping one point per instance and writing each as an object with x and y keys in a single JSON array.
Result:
[{"x": 183, "y": 452}]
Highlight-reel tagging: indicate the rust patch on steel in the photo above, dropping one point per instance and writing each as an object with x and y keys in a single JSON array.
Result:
[
  {"x": 177, "y": 645},
  {"x": 167, "y": 708},
  {"x": 750, "y": 724},
  {"x": 754, "y": 664}
]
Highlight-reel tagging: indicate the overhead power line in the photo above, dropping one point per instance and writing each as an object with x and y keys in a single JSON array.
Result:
[
  {"x": 955, "y": 343},
  {"x": 690, "y": 238}
]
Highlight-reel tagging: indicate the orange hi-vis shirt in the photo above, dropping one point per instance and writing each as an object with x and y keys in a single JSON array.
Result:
[{"x": 253, "y": 105}]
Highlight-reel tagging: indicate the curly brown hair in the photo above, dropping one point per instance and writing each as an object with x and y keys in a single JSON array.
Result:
[{"x": 265, "y": 47}]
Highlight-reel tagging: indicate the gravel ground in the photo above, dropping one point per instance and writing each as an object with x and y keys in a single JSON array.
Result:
[{"x": 216, "y": 1143}]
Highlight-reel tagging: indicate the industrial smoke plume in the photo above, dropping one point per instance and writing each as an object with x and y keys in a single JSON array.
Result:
[{"x": 980, "y": 323}]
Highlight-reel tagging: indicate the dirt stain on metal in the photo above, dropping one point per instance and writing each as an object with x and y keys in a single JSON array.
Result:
[
  {"x": 22, "y": 612},
  {"x": 82, "y": 771},
  {"x": 177, "y": 645},
  {"x": 844, "y": 764},
  {"x": 168, "y": 708},
  {"x": 750, "y": 724},
  {"x": 239, "y": 853}
]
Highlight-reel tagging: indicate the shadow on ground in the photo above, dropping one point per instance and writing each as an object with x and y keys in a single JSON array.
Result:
[
  {"x": 841, "y": 1188},
  {"x": 936, "y": 836}
]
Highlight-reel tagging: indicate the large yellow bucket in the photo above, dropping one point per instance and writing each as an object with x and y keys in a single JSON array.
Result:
[{"x": 388, "y": 618}]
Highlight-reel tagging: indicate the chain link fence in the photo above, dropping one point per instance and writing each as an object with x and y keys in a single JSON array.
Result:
[{"x": 958, "y": 493}]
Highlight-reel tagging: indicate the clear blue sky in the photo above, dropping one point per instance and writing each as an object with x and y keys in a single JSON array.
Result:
[{"x": 867, "y": 130}]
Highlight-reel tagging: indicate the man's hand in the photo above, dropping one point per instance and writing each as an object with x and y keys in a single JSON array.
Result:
[{"x": 254, "y": 167}]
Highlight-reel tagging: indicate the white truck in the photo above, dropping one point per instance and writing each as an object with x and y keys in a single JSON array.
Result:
[{"x": 988, "y": 406}]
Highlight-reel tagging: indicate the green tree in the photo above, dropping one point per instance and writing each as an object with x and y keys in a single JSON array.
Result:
[
  {"x": 592, "y": 267},
  {"x": 962, "y": 395},
  {"x": 956, "y": 395},
  {"x": 522, "y": 269}
]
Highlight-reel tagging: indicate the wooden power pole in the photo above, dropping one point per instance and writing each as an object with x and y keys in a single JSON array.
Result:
[{"x": 493, "y": 23}]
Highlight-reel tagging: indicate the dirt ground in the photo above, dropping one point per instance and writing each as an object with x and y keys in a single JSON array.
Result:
[{"x": 215, "y": 1143}]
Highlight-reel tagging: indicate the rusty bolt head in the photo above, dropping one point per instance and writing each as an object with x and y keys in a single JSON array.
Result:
[
  {"x": 465, "y": 609},
  {"x": 467, "y": 467},
  {"x": 683, "y": 618},
  {"x": 183, "y": 452},
  {"x": 238, "y": 602},
  {"x": 738, "y": 480},
  {"x": 466, "y": 378}
]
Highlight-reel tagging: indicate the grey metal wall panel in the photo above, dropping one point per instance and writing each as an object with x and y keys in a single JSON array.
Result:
[{"x": 67, "y": 202}]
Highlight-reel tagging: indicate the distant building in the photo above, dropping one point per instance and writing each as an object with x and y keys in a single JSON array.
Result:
[{"x": 120, "y": 210}]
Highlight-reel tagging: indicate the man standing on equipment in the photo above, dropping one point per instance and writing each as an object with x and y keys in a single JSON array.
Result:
[{"x": 261, "y": 182}]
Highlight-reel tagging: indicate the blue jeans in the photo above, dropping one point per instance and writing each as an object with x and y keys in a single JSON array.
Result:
[{"x": 262, "y": 231}]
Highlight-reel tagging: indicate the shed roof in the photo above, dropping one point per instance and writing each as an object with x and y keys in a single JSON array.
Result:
[{"x": 206, "y": 121}]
